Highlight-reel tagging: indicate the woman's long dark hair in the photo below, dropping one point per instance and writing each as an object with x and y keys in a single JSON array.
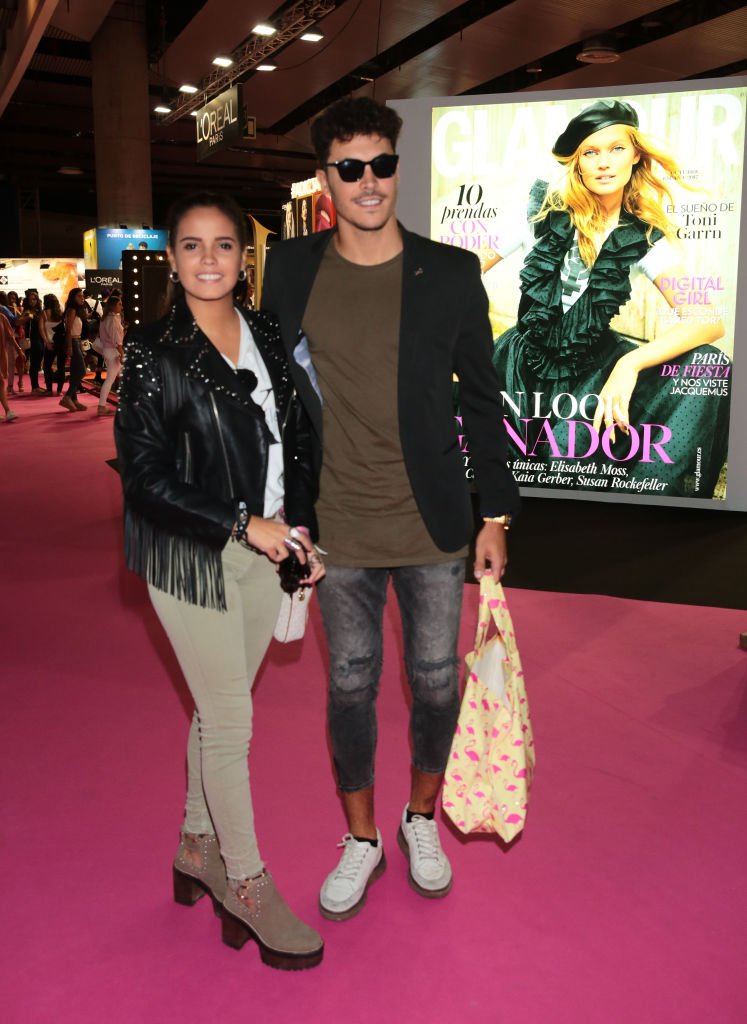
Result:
[
  {"x": 52, "y": 303},
  {"x": 35, "y": 312},
  {"x": 71, "y": 303}
]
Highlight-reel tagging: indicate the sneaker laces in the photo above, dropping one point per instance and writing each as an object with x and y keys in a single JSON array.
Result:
[
  {"x": 425, "y": 833},
  {"x": 352, "y": 859}
]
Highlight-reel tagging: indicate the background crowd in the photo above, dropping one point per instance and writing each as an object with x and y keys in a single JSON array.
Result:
[{"x": 47, "y": 350}]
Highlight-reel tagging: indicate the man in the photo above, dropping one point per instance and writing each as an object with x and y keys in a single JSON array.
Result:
[{"x": 380, "y": 319}]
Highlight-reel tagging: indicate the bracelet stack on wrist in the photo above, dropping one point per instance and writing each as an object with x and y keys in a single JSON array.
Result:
[{"x": 241, "y": 525}]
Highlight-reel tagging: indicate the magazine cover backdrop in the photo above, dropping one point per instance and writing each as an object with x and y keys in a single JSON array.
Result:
[{"x": 491, "y": 165}]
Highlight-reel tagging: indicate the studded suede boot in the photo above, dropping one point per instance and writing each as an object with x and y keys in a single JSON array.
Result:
[
  {"x": 253, "y": 908},
  {"x": 199, "y": 869}
]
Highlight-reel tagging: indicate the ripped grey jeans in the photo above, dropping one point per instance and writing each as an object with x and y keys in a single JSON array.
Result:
[{"x": 352, "y": 604}]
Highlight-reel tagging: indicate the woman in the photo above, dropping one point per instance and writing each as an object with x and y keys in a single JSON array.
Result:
[
  {"x": 52, "y": 318},
  {"x": 9, "y": 349},
  {"x": 205, "y": 396},
  {"x": 17, "y": 366},
  {"x": 32, "y": 319},
  {"x": 604, "y": 219},
  {"x": 68, "y": 346},
  {"x": 111, "y": 334}
]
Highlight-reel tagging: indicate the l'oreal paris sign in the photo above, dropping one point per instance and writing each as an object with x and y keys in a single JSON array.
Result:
[{"x": 220, "y": 122}]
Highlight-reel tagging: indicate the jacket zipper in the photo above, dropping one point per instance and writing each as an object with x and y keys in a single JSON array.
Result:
[
  {"x": 223, "y": 446},
  {"x": 287, "y": 415}
]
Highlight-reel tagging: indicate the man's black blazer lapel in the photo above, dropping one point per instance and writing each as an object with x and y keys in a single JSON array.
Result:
[{"x": 299, "y": 272}]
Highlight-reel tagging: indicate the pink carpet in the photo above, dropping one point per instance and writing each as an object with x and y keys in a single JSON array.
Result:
[{"x": 623, "y": 903}]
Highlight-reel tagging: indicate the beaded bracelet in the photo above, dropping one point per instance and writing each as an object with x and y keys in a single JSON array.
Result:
[{"x": 240, "y": 526}]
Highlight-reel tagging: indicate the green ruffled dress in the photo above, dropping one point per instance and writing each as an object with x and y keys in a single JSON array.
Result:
[{"x": 572, "y": 353}]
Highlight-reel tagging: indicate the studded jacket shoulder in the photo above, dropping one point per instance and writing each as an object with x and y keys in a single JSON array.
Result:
[{"x": 192, "y": 443}]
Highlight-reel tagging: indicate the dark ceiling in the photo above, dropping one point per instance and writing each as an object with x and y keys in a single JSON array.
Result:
[{"x": 386, "y": 48}]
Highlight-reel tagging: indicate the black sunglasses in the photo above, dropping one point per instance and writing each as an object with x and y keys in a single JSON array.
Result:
[{"x": 384, "y": 165}]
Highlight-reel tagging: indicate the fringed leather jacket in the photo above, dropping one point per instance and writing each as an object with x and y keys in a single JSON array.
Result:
[{"x": 192, "y": 443}]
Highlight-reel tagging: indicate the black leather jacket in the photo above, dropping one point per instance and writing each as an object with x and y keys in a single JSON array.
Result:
[{"x": 192, "y": 443}]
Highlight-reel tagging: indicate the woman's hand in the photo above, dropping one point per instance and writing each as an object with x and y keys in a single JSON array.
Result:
[
  {"x": 276, "y": 540},
  {"x": 269, "y": 536},
  {"x": 614, "y": 398}
]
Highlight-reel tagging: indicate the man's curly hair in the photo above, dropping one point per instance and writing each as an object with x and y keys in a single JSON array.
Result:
[{"x": 353, "y": 116}]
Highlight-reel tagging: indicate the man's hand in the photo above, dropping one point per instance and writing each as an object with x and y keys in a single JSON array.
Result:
[{"x": 491, "y": 549}]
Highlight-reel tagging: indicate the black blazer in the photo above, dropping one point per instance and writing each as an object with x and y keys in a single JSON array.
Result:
[
  {"x": 192, "y": 443},
  {"x": 444, "y": 330}
]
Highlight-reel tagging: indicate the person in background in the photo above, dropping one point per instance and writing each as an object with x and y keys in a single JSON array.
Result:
[
  {"x": 69, "y": 348},
  {"x": 52, "y": 317},
  {"x": 9, "y": 349},
  {"x": 18, "y": 367},
  {"x": 32, "y": 319},
  {"x": 6, "y": 310},
  {"x": 111, "y": 334},
  {"x": 94, "y": 359}
]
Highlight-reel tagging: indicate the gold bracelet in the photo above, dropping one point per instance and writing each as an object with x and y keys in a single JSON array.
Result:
[{"x": 504, "y": 520}]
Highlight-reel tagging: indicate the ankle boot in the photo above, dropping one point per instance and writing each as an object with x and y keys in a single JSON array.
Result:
[
  {"x": 192, "y": 882},
  {"x": 255, "y": 909}
]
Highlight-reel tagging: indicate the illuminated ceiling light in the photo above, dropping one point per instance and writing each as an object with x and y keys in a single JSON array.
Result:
[
  {"x": 161, "y": 109},
  {"x": 263, "y": 29},
  {"x": 194, "y": 113},
  {"x": 222, "y": 62},
  {"x": 266, "y": 67},
  {"x": 534, "y": 69},
  {"x": 594, "y": 52},
  {"x": 189, "y": 89},
  {"x": 69, "y": 170},
  {"x": 311, "y": 37}
]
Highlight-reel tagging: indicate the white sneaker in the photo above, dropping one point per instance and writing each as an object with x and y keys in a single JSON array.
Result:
[
  {"x": 344, "y": 891},
  {"x": 11, "y": 416},
  {"x": 430, "y": 871}
]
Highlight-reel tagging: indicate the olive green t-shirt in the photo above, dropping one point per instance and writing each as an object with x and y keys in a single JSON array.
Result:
[{"x": 366, "y": 509}]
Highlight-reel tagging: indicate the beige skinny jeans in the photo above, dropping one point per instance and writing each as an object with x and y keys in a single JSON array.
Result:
[{"x": 220, "y": 654}]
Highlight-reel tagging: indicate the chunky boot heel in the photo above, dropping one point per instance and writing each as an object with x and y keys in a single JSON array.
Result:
[
  {"x": 187, "y": 891},
  {"x": 253, "y": 908},
  {"x": 233, "y": 932}
]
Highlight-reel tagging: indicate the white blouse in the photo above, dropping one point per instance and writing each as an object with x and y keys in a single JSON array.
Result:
[
  {"x": 111, "y": 332},
  {"x": 263, "y": 395}
]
